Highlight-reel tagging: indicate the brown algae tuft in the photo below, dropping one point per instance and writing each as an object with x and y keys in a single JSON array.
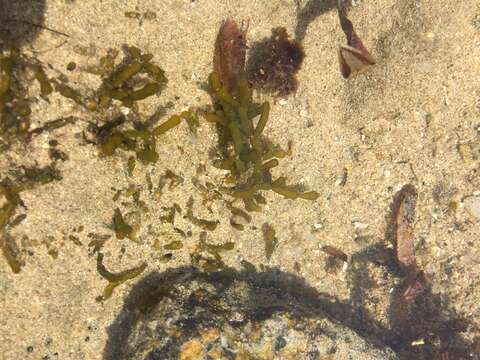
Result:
[{"x": 275, "y": 62}]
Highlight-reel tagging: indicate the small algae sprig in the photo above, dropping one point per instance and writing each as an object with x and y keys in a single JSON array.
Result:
[
  {"x": 9, "y": 249},
  {"x": 25, "y": 179},
  {"x": 245, "y": 151},
  {"x": 121, "y": 228},
  {"x": 135, "y": 79},
  {"x": 116, "y": 279},
  {"x": 18, "y": 73},
  {"x": 14, "y": 105},
  {"x": 208, "y": 256},
  {"x": 141, "y": 140},
  {"x": 270, "y": 240}
]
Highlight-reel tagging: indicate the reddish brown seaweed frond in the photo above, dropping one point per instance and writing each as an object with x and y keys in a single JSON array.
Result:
[
  {"x": 354, "y": 57},
  {"x": 229, "y": 56},
  {"x": 277, "y": 63},
  {"x": 335, "y": 252},
  {"x": 403, "y": 214}
]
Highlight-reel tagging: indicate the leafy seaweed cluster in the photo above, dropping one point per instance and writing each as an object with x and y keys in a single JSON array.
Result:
[{"x": 246, "y": 153}]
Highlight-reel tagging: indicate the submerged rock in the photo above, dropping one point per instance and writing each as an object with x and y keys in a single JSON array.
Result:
[{"x": 185, "y": 314}]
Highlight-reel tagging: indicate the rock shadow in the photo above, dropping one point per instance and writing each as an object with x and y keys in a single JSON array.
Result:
[
  {"x": 20, "y": 21},
  {"x": 311, "y": 10}
]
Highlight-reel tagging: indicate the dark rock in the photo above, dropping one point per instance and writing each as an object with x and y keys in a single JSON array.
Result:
[{"x": 186, "y": 314}]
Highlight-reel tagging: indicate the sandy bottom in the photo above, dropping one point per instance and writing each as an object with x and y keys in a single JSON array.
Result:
[{"x": 401, "y": 122}]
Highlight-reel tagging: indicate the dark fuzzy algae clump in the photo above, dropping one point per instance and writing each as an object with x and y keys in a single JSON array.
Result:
[
  {"x": 275, "y": 62},
  {"x": 246, "y": 154}
]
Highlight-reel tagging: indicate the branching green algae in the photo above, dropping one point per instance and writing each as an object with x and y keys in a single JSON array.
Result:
[{"x": 250, "y": 158}]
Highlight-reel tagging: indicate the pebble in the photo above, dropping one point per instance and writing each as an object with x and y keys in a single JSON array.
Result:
[{"x": 472, "y": 205}]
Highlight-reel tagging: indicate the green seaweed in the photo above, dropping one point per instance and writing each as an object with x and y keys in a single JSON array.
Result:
[
  {"x": 238, "y": 213},
  {"x": 12, "y": 197},
  {"x": 17, "y": 220},
  {"x": 39, "y": 175},
  {"x": 212, "y": 260},
  {"x": 192, "y": 120},
  {"x": 131, "y": 165},
  {"x": 280, "y": 187},
  {"x": 125, "y": 73},
  {"x": 248, "y": 266},
  {"x": 209, "y": 225},
  {"x": 134, "y": 79},
  {"x": 45, "y": 86},
  {"x": 173, "y": 121},
  {"x": 208, "y": 265},
  {"x": 70, "y": 93},
  {"x": 57, "y": 154},
  {"x": 270, "y": 240},
  {"x": 140, "y": 141},
  {"x": 10, "y": 191},
  {"x": 125, "y": 83},
  {"x": 53, "y": 125},
  {"x": 11, "y": 253},
  {"x": 14, "y": 101},
  {"x": 174, "y": 245},
  {"x": 246, "y": 154},
  {"x": 169, "y": 217},
  {"x": 97, "y": 242},
  {"x": 121, "y": 228},
  {"x": 116, "y": 279},
  {"x": 75, "y": 240},
  {"x": 173, "y": 179}
]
